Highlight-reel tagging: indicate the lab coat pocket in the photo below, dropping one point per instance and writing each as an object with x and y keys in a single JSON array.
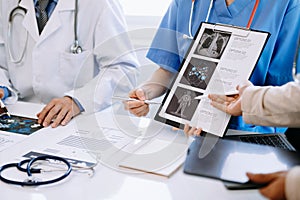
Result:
[{"x": 76, "y": 69}]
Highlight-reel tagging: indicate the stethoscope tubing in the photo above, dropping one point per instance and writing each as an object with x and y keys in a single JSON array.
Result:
[
  {"x": 10, "y": 22},
  {"x": 208, "y": 14},
  {"x": 252, "y": 14},
  {"x": 75, "y": 47},
  {"x": 29, "y": 170}
]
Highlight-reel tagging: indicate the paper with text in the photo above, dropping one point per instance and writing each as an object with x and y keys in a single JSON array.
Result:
[{"x": 218, "y": 60}]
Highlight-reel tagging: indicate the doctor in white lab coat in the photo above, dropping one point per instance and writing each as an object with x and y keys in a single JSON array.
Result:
[{"x": 49, "y": 73}]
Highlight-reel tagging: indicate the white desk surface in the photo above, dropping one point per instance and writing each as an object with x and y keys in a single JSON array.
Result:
[{"x": 108, "y": 183}]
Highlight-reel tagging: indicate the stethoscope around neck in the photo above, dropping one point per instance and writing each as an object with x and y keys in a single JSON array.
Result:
[
  {"x": 190, "y": 36},
  {"x": 19, "y": 10}
]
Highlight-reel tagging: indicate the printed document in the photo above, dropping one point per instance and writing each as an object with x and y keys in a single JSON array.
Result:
[{"x": 219, "y": 58}]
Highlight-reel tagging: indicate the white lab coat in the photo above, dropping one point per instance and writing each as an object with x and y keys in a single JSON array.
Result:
[{"x": 105, "y": 67}]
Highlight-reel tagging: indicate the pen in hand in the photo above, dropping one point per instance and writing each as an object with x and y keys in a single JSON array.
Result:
[
  {"x": 3, "y": 110},
  {"x": 204, "y": 96},
  {"x": 132, "y": 99}
]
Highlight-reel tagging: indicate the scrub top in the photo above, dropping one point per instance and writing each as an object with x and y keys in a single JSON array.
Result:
[{"x": 279, "y": 18}]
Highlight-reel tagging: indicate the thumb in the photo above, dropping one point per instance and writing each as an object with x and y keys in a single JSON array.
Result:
[
  {"x": 262, "y": 178},
  {"x": 1, "y": 93},
  {"x": 140, "y": 94}
]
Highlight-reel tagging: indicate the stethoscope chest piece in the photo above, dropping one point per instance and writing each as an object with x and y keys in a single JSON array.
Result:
[{"x": 76, "y": 48}]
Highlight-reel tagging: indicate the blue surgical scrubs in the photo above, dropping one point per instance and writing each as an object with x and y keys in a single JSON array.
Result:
[{"x": 279, "y": 18}]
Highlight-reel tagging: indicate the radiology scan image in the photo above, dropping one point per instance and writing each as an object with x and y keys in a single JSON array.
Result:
[
  {"x": 183, "y": 103},
  {"x": 212, "y": 44},
  {"x": 198, "y": 73},
  {"x": 20, "y": 125}
]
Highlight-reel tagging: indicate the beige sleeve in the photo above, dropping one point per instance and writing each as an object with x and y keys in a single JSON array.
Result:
[
  {"x": 292, "y": 183},
  {"x": 272, "y": 106}
]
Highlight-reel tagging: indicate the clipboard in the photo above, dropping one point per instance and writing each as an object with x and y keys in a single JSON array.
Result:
[{"x": 219, "y": 58}]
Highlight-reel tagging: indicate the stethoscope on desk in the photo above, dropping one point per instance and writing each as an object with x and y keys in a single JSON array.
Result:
[
  {"x": 190, "y": 36},
  {"x": 58, "y": 164},
  {"x": 30, "y": 170},
  {"x": 19, "y": 10}
]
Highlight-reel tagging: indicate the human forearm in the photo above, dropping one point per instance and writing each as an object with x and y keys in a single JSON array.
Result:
[
  {"x": 272, "y": 105},
  {"x": 152, "y": 88},
  {"x": 158, "y": 83}
]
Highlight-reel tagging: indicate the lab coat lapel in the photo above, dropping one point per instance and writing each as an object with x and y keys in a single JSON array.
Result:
[
  {"x": 54, "y": 22},
  {"x": 29, "y": 21}
]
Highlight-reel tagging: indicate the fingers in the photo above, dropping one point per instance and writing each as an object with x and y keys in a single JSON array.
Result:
[
  {"x": 133, "y": 104},
  {"x": 61, "y": 113},
  {"x": 241, "y": 87},
  {"x": 175, "y": 129},
  {"x": 263, "y": 178},
  {"x": 228, "y": 104},
  {"x": 43, "y": 114},
  {"x": 220, "y": 102},
  {"x": 140, "y": 111},
  {"x": 1, "y": 93},
  {"x": 67, "y": 118},
  {"x": 275, "y": 190},
  {"x": 140, "y": 94},
  {"x": 138, "y": 108},
  {"x": 58, "y": 112},
  {"x": 275, "y": 182},
  {"x": 220, "y": 106},
  {"x": 186, "y": 129},
  {"x": 137, "y": 94},
  {"x": 245, "y": 83},
  {"x": 222, "y": 98},
  {"x": 192, "y": 131}
]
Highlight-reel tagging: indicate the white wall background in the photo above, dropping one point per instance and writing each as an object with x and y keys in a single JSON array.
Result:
[
  {"x": 145, "y": 7},
  {"x": 143, "y": 18}
]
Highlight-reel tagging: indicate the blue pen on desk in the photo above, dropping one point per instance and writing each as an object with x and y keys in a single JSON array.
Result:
[
  {"x": 3, "y": 110},
  {"x": 132, "y": 99}
]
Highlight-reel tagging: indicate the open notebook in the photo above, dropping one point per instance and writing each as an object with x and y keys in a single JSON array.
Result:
[{"x": 160, "y": 157}]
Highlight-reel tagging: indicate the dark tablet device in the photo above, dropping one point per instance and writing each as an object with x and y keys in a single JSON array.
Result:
[
  {"x": 242, "y": 186},
  {"x": 229, "y": 160}
]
